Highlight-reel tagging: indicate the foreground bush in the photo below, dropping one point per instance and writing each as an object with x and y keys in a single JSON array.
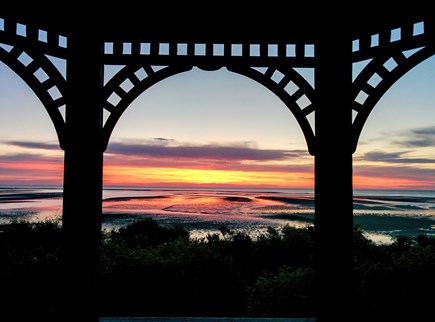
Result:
[
  {"x": 151, "y": 270},
  {"x": 30, "y": 269}
]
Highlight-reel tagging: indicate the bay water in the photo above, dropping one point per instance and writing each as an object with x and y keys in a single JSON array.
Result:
[{"x": 381, "y": 214}]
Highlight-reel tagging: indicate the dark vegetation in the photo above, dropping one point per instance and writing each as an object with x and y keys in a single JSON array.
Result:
[{"x": 151, "y": 270}]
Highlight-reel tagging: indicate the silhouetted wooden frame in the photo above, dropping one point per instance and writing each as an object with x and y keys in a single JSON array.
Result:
[{"x": 93, "y": 108}]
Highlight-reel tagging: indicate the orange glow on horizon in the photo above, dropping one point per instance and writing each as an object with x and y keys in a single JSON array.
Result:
[
  {"x": 366, "y": 182},
  {"x": 115, "y": 175},
  {"x": 34, "y": 165},
  {"x": 39, "y": 172},
  {"x": 51, "y": 173}
]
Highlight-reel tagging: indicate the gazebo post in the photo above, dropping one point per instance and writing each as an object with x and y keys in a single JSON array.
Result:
[
  {"x": 333, "y": 173},
  {"x": 83, "y": 168}
]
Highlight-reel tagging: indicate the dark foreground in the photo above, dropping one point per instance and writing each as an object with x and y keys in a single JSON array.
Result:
[{"x": 162, "y": 274}]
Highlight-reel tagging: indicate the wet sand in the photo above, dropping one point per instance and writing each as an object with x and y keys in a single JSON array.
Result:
[{"x": 204, "y": 211}]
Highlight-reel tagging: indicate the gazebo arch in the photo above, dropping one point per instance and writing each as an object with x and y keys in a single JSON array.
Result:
[
  {"x": 397, "y": 52},
  {"x": 36, "y": 70},
  {"x": 129, "y": 74}
]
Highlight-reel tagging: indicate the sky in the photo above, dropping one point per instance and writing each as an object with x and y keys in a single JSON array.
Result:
[{"x": 219, "y": 129}]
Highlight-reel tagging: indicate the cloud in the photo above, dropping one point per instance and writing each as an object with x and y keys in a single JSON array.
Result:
[
  {"x": 414, "y": 138},
  {"x": 425, "y": 131},
  {"x": 204, "y": 164},
  {"x": 235, "y": 156},
  {"x": 29, "y": 157},
  {"x": 168, "y": 153},
  {"x": 393, "y": 157},
  {"x": 418, "y": 142},
  {"x": 418, "y": 138},
  {"x": 379, "y": 156},
  {"x": 236, "y": 151},
  {"x": 163, "y": 140},
  {"x": 164, "y": 148},
  {"x": 29, "y": 151},
  {"x": 33, "y": 145}
]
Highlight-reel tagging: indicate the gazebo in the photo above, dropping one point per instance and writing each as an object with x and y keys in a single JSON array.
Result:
[{"x": 139, "y": 41}]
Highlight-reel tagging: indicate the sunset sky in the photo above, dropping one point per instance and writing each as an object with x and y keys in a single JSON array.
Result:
[{"x": 219, "y": 129}]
